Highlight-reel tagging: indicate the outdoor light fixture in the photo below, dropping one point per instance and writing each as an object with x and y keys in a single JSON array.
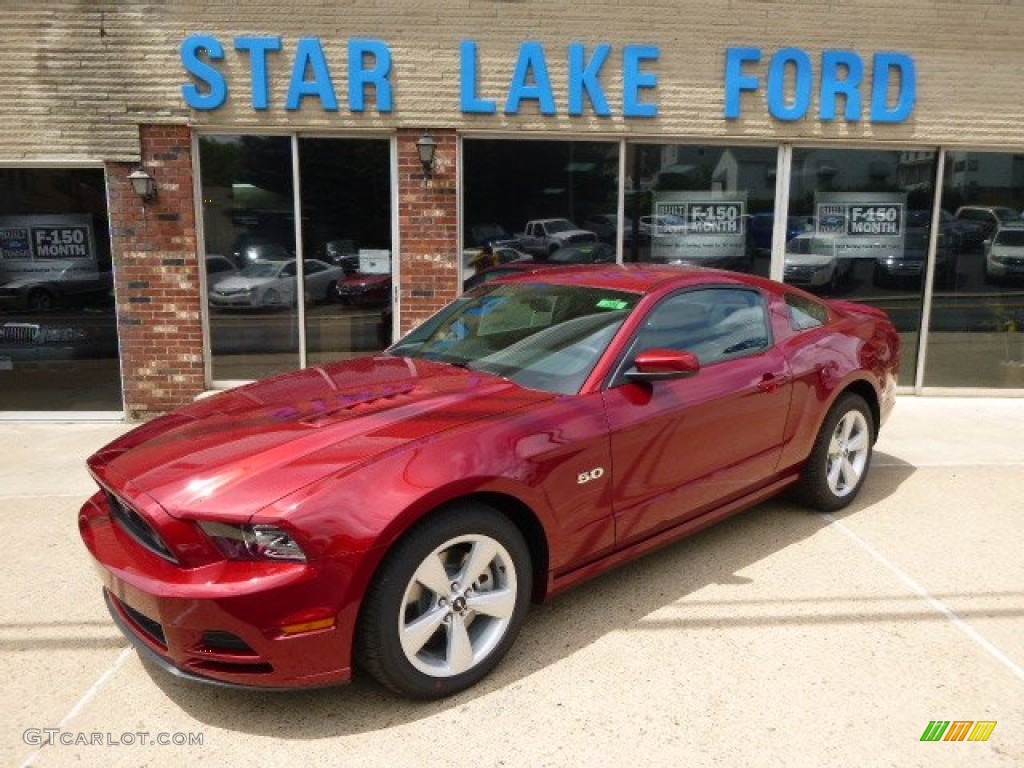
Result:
[
  {"x": 143, "y": 184},
  {"x": 426, "y": 146}
]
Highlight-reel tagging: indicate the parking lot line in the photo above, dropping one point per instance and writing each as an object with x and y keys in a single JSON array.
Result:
[
  {"x": 88, "y": 696},
  {"x": 934, "y": 602}
]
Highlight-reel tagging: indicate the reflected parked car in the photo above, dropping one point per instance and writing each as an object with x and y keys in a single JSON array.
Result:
[
  {"x": 397, "y": 514},
  {"x": 62, "y": 283},
  {"x": 251, "y": 247},
  {"x": 364, "y": 289},
  {"x": 93, "y": 338},
  {"x": 218, "y": 268},
  {"x": 479, "y": 258},
  {"x": 813, "y": 261},
  {"x": 604, "y": 225},
  {"x": 662, "y": 224},
  {"x": 986, "y": 219},
  {"x": 908, "y": 266},
  {"x": 1004, "y": 254},
  {"x": 273, "y": 284}
]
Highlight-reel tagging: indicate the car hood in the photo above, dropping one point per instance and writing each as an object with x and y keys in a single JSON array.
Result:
[
  {"x": 240, "y": 451},
  {"x": 364, "y": 280},
  {"x": 998, "y": 249},
  {"x": 808, "y": 260},
  {"x": 240, "y": 283}
]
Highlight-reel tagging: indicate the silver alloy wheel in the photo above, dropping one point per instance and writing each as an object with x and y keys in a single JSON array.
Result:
[
  {"x": 458, "y": 605},
  {"x": 848, "y": 453}
]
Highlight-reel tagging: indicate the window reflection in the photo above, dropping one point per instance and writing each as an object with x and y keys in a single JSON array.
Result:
[
  {"x": 58, "y": 332},
  {"x": 861, "y": 230},
  {"x": 976, "y": 336},
  {"x": 346, "y": 234},
  {"x": 524, "y": 200},
  {"x": 700, "y": 205},
  {"x": 249, "y": 233}
]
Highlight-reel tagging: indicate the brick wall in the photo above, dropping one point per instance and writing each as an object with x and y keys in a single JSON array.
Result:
[
  {"x": 156, "y": 276},
  {"x": 428, "y": 225}
]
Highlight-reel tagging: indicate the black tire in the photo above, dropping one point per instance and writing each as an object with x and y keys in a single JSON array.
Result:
[
  {"x": 840, "y": 458},
  {"x": 433, "y": 663}
]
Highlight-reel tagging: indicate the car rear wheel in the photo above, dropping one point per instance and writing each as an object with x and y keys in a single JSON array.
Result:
[
  {"x": 841, "y": 456},
  {"x": 447, "y": 603}
]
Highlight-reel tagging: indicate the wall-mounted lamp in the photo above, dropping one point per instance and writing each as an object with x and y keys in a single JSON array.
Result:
[
  {"x": 427, "y": 147},
  {"x": 143, "y": 184}
]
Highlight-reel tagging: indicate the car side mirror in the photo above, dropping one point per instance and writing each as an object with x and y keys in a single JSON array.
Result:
[{"x": 663, "y": 364}]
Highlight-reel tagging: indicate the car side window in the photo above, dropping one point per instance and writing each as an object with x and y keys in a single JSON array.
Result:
[
  {"x": 715, "y": 324},
  {"x": 805, "y": 313}
]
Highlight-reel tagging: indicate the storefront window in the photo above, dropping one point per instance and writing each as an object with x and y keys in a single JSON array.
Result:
[
  {"x": 346, "y": 236},
  {"x": 701, "y": 205},
  {"x": 541, "y": 200},
  {"x": 249, "y": 233},
  {"x": 976, "y": 328},
  {"x": 861, "y": 231},
  {"x": 255, "y": 262},
  {"x": 58, "y": 331}
]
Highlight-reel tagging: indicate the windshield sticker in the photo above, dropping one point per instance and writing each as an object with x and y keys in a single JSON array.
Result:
[{"x": 612, "y": 304}]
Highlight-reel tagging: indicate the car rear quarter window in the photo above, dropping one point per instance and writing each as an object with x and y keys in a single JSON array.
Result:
[{"x": 805, "y": 313}]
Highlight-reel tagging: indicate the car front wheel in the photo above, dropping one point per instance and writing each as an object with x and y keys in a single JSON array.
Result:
[
  {"x": 839, "y": 461},
  {"x": 447, "y": 603}
]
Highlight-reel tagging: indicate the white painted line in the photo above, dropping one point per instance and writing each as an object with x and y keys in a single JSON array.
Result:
[
  {"x": 946, "y": 464},
  {"x": 88, "y": 696},
  {"x": 83, "y": 496},
  {"x": 938, "y": 605}
]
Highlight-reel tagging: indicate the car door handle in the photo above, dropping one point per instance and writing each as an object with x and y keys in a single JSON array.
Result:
[{"x": 771, "y": 382}]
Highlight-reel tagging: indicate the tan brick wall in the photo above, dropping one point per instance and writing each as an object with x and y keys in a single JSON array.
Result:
[
  {"x": 77, "y": 77},
  {"x": 156, "y": 273}
]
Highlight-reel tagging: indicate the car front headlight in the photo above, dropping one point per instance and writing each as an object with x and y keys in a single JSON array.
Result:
[{"x": 253, "y": 542}]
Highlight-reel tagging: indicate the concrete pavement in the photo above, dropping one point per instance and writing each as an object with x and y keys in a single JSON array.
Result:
[{"x": 779, "y": 637}]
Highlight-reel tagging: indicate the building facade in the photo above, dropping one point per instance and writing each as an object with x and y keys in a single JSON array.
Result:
[{"x": 865, "y": 151}]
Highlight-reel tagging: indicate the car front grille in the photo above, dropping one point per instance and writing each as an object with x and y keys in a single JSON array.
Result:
[
  {"x": 21, "y": 333},
  {"x": 136, "y": 526}
]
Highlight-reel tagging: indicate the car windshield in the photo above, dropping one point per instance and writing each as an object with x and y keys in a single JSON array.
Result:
[
  {"x": 261, "y": 269},
  {"x": 559, "y": 225},
  {"x": 818, "y": 246},
  {"x": 541, "y": 336},
  {"x": 1011, "y": 237}
]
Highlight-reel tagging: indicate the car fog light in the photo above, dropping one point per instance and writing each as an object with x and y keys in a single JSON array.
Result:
[{"x": 253, "y": 542}]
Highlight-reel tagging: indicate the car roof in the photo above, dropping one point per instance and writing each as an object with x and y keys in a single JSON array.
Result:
[{"x": 637, "y": 278}]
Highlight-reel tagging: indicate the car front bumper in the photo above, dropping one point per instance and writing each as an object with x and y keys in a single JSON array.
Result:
[{"x": 222, "y": 623}]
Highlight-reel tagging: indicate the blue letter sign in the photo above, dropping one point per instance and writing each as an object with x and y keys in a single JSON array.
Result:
[{"x": 791, "y": 81}]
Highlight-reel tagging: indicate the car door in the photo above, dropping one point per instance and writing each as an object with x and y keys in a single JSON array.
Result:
[{"x": 683, "y": 447}]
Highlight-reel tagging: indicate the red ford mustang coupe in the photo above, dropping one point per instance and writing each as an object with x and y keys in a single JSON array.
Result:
[{"x": 398, "y": 513}]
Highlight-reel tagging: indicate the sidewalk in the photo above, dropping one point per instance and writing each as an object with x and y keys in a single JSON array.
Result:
[{"x": 777, "y": 638}]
